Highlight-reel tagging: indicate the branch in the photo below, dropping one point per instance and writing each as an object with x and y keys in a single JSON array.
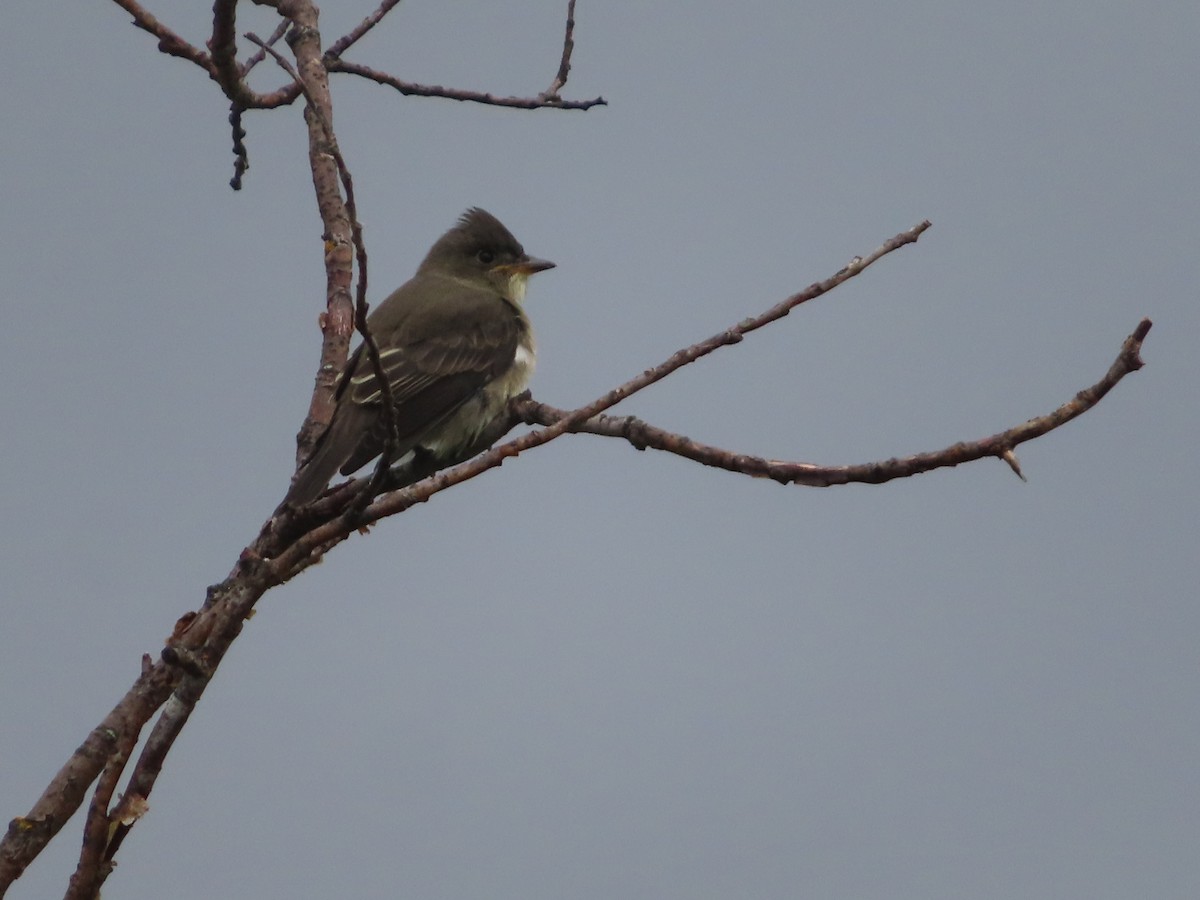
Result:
[
  {"x": 361, "y": 307},
  {"x": 226, "y": 70},
  {"x": 287, "y": 545},
  {"x": 643, "y": 436},
  {"x": 549, "y": 98},
  {"x": 191, "y": 684},
  {"x": 564, "y": 64},
  {"x": 337, "y": 322},
  {"x": 313, "y": 545},
  {"x": 174, "y": 683},
  {"x": 28, "y": 835},
  {"x": 255, "y": 59},
  {"x": 338, "y": 47},
  {"x": 168, "y": 41},
  {"x": 89, "y": 874},
  {"x": 294, "y": 539},
  {"x": 194, "y": 652},
  {"x": 222, "y": 66},
  {"x": 409, "y": 88}
]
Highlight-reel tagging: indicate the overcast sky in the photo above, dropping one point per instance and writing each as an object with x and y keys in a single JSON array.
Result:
[{"x": 596, "y": 673}]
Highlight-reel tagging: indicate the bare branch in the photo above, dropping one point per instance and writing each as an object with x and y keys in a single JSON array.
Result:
[
  {"x": 190, "y": 659},
  {"x": 223, "y": 46},
  {"x": 174, "y": 683},
  {"x": 162, "y": 737},
  {"x": 643, "y": 436},
  {"x": 281, "y": 551},
  {"x": 409, "y": 88},
  {"x": 337, "y": 322},
  {"x": 168, "y": 41},
  {"x": 194, "y": 654},
  {"x": 90, "y": 872},
  {"x": 564, "y": 64},
  {"x": 28, "y": 835},
  {"x": 255, "y": 59},
  {"x": 309, "y": 547},
  {"x": 294, "y": 539},
  {"x": 362, "y": 308},
  {"x": 343, "y": 43}
]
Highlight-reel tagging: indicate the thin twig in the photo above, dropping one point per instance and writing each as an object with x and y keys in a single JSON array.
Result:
[
  {"x": 564, "y": 64},
  {"x": 338, "y": 47},
  {"x": 409, "y": 88},
  {"x": 256, "y": 58}
]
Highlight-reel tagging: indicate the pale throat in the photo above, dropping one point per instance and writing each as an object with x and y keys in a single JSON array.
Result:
[
  {"x": 517, "y": 378},
  {"x": 517, "y": 282}
]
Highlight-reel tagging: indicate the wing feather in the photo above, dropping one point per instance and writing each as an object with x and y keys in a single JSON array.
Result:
[{"x": 434, "y": 359}]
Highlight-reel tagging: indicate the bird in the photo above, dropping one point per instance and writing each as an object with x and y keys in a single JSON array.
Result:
[{"x": 455, "y": 345}]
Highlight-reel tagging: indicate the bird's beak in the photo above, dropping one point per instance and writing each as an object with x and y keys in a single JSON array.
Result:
[{"x": 529, "y": 265}]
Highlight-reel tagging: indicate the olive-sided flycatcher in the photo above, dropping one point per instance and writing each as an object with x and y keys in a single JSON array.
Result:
[{"x": 454, "y": 344}]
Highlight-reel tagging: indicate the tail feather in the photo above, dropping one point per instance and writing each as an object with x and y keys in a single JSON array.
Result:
[
  {"x": 313, "y": 476},
  {"x": 333, "y": 448}
]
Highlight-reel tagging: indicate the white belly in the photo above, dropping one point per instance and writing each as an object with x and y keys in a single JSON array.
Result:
[{"x": 464, "y": 427}]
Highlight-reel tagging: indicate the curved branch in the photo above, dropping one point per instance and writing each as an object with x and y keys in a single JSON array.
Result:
[
  {"x": 230, "y": 74},
  {"x": 643, "y": 437},
  {"x": 223, "y": 47}
]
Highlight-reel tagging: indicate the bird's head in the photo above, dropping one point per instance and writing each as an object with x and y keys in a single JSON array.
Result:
[{"x": 480, "y": 250}]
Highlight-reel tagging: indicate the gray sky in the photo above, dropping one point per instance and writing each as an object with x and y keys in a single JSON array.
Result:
[{"x": 596, "y": 673}]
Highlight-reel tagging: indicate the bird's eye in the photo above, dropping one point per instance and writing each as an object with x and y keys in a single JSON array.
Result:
[{"x": 487, "y": 257}]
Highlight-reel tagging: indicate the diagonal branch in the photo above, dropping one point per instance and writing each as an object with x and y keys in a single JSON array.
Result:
[
  {"x": 254, "y": 59},
  {"x": 312, "y": 545},
  {"x": 168, "y": 41},
  {"x": 338, "y": 47},
  {"x": 89, "y": 873},
  {"x": 28, "y": 835}
]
